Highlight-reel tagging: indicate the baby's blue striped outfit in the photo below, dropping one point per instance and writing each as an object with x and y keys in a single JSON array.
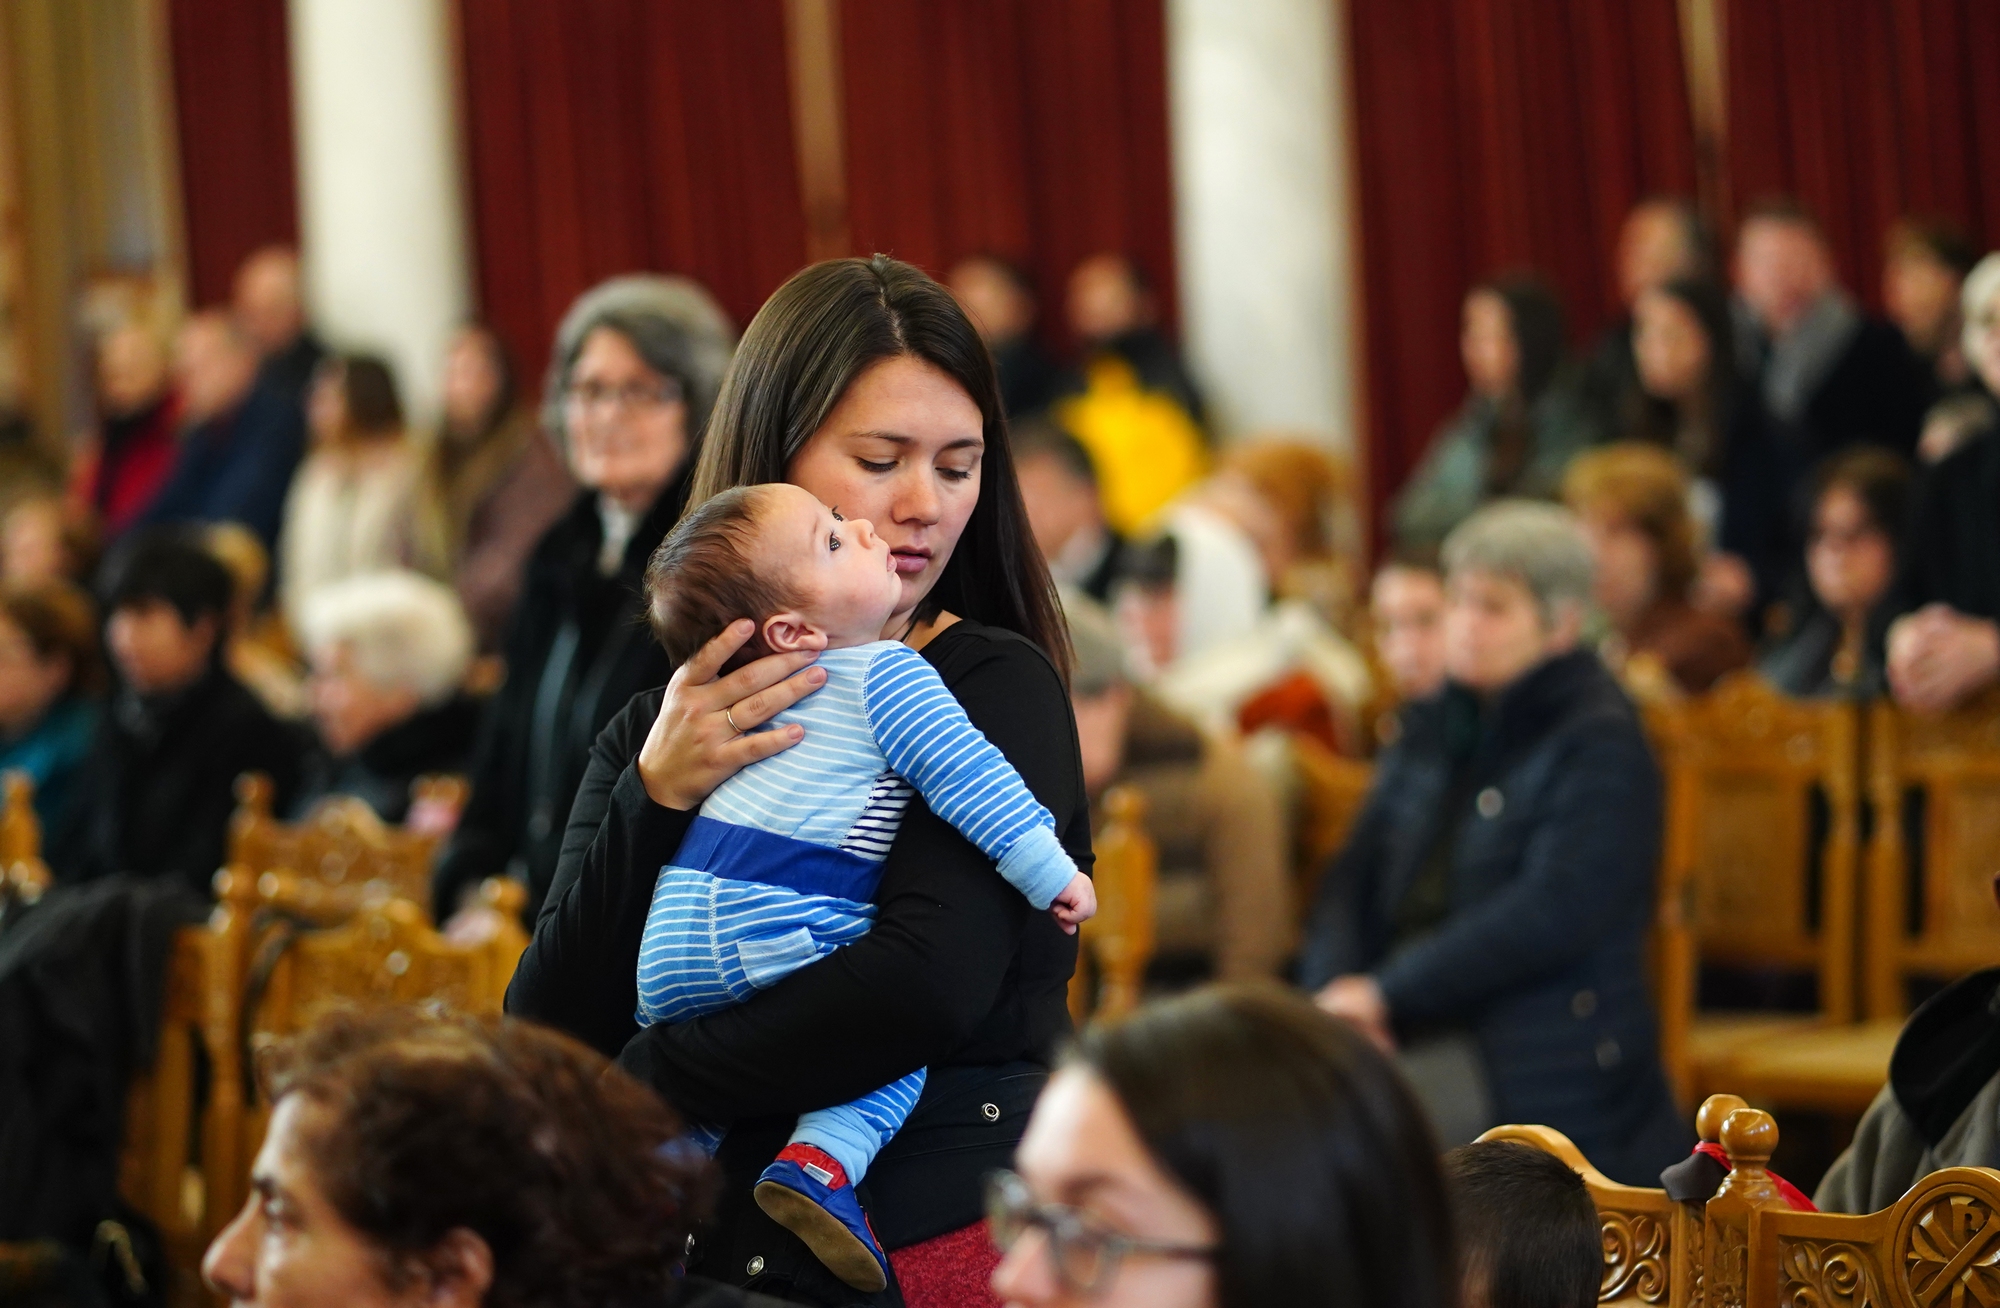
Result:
[{"x": 781, "y": 865}]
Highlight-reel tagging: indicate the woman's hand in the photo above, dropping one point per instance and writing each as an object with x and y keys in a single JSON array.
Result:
[
  {"x": 694, "y": 746},
  {"x": 1938, "y": 656}
]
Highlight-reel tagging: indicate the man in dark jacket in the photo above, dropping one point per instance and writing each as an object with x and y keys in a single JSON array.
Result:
[
  {"x": 1488, "y": 916},
  {"x": 243, "y": 440},
  {"x": 179, "y": 730}
]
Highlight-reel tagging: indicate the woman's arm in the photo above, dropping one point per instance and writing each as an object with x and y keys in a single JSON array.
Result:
[{"x": 928, "y": 975}]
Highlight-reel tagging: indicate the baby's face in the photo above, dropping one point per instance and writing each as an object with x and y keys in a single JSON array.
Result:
[{"x": 843, "y": 572}]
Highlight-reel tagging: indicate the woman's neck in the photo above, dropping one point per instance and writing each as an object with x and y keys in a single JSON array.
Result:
[{"x": 915, "y": 634}]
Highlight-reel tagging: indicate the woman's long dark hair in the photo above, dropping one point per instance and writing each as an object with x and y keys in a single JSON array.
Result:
[
  {"x": 1297, "y": 1137},
  {"x": 1649, "y": 418},
  {"x": 813, "y": 337}
]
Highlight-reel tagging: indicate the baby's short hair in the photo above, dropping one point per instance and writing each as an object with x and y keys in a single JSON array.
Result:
[
  {"x": 704, "y": 576},
  {"x": 1527, "y": 1228}
]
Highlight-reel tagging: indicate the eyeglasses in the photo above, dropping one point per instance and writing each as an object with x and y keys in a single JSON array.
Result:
[
  {"x": 1086, "y": 1259},
  {"x": 628, "y": 397}
]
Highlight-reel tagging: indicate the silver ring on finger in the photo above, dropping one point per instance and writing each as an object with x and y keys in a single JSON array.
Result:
[{"x": 731, "y": 719}]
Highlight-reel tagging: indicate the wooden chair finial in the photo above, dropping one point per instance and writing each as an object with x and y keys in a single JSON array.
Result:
[{"x": 1714, "y": 1111}]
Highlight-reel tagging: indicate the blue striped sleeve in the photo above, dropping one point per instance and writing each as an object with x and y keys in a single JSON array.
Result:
[{"x": 927, "y": 739}]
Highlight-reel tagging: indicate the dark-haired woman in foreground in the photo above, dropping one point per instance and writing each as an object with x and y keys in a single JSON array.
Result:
[
  {"x": 862, "y": 382},
  {"x": 1228, "y": 1149},
  {"x": 453, "y": 1161}
]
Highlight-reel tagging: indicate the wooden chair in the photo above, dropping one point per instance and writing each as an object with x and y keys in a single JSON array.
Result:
[
  {"x": 1117, "y": 944},
  {"x": 342, "y": 845},
  {"x": 1936, "y": 1247},
  {"x": 23, "y": 874},
  {"x": 1743, "y": 766},
  {"x": 1953, "y": 762},
  {"x": 386, "y": 953},
  {"x": 1332, "y": 791}
]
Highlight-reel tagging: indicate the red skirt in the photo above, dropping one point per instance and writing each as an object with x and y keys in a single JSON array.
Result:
[{"x": 953, "y": 1270}]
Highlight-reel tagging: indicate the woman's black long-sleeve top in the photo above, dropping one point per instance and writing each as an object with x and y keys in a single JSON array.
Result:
[{"x": 959, "y": 974}]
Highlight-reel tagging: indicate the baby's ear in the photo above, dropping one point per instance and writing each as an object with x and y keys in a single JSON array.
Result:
[{"x": 789, "y": 631}]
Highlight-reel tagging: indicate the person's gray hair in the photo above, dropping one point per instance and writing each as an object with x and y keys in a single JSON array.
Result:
[
  {"x": 1101, "y": 664},
  {"x": 1978, "y": 290},
  {"x": 402, "y": 630},
  {"x": 674, "y": 324},
  {"x": 1539, "y": 545}
]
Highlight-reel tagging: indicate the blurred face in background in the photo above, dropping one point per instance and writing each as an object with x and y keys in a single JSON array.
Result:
[
  {"x": 1782, "y": 267},
  {"x": 1670, "y": 346},
  {"x": 1984, "y": 333},
  {"x": 1628, "y": 564},
  {"x": 131, "y": 370},
  {"x": 1407, "y": 605},
  {"x": 1920, "y": 294},
  {"x": 1494, "y": 632},
  {"x": 999, "y": 307},
  {"x": 472, "y": 383},
  {"x": 214, "y": 366},
  {"x": 158, "y": 652},
  {"x": 31, "y": 543},
  {"x": 1653, "y": 249},
  {"x": 1060, "y": 503},
  {"x": 1486, "y": 345},
  {"x": 266, "y": 300},
  {"x": 1101, "y": 724},
  {"x": 1849, "y": 558},
  {"x": 326, "y": 404},
  {"x": 627, "y": 424},
  {"x": 349, "y": 709},
  {"x": 1105, "y": 300},
  {"x": 29, "y": 683}
]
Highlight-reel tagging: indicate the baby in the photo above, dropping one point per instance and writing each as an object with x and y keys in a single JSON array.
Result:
[{"x": 781, "y": 865}]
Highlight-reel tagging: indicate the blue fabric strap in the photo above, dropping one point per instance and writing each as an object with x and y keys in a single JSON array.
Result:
[{"x": 739, "y": 853}]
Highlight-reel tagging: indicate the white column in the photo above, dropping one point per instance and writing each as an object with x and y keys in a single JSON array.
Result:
[
  {"x": 1258, "y": 101},
  {"x": 382, "y": 224}
]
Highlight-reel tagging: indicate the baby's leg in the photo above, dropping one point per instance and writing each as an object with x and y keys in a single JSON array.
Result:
[
  {"x": 853, "y": 1133},
  {"x": 810, "y": 1188}
]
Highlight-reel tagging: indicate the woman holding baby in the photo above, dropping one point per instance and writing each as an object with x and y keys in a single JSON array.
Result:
[{"x": 863, "y": 383}]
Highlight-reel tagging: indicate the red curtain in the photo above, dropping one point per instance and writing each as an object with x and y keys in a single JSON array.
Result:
[
  {"x": 1868, "y": 110},
  {"x": 233, "y": 100},
  {"x": 1033, "y": 128},
  {"x": 1494, "y": 136},
  {"x": 611, "y": 136}
]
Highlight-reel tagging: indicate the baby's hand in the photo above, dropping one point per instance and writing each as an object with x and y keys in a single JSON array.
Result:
[{"x": 1076, "y": 904}]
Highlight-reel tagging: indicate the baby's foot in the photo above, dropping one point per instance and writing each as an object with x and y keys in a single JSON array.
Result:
[{"x": 806, "y": 1192}]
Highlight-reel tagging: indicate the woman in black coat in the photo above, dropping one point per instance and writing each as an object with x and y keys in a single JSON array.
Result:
[
  {"x": 1488, "y": 915},
  {"x": 864, "y": 383},
  {"x": 635, "y": 369}
]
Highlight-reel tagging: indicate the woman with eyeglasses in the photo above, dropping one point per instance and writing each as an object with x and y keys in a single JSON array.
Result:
[
  {"x": 633, "y": 374},
  {"x": 1229, "y": 1148}
]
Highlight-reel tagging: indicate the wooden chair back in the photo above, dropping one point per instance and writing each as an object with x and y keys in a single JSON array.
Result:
[
  {"x": 1952, "y": 762},
  {"x": 1936, "y": 1247},
  {"x": 386, "y": 953},
  {"x": 342, "y": 845},
  {"x": 1756, "y": 785},
  {"x": 23, "y": 874},
  {"x": 1117, "y": 944},
  {"x": 183, "y": 1164},
  {"x": 1332, "y": 791}
]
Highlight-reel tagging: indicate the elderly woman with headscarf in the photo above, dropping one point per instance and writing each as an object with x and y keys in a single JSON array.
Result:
[
  {"x": 633, "y": 375},
  {"x": 1520, "y": 422}
]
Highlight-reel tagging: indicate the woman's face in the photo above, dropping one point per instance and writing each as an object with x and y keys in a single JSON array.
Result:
[
  {"x": 1082, "y": 1151},
  {"x": 348, "y": 708},
  {"x": 903, "y": 449},
  {"x": 289, "y": 1247},
  {"x": 1627, "y": 565},
  {"x": 471, "y": 382},
  {"x": 627, "y": 424},
  {"x": 29, "y": 683},
  {"x": 1494, "y": 632},
  {"x": 1669, "y": 345},
  {"x": 1486, "y": 344},
  {"x": 326, "y": 405},
  {"x": 1849, "y": 558}
]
